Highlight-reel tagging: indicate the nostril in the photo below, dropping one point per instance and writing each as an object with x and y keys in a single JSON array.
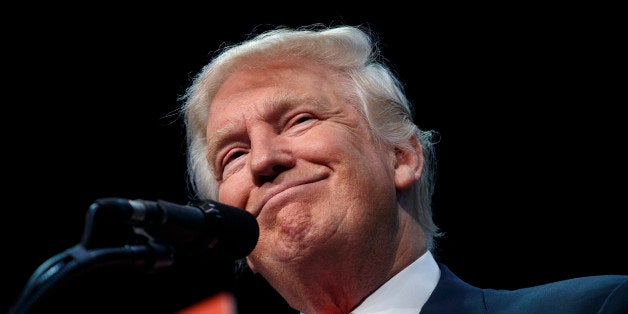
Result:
[
  {"x": 275, "y": 171},
  {"x": 264, "y": 179},
  {"x": 279, "y": 168}
]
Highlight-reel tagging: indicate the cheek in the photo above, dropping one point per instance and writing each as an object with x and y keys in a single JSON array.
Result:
[
  {"x": 234, "y": 191},
  {"x": 325, "y": 146}
]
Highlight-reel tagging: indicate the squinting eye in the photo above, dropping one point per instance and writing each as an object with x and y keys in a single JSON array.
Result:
[
  {"x": 302, "y": 119},
  {"x": 233, "y": 156},
  {"x": 231, "y": 162}
]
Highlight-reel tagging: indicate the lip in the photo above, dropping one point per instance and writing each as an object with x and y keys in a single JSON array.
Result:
[{"x": 276, "y": 190}]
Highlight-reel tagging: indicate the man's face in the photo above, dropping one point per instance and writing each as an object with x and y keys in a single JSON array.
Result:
[{"x": 287, "y": 145}]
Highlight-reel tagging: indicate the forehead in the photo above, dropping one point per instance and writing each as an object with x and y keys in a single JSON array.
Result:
[
  {"x": 252, "y": 95},
  {"x": 276, "y": 86}
]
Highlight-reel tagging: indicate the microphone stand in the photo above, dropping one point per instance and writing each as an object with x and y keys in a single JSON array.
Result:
[
  {"x": 78, "y": 259},
  {"x": 109, "y": 240}
]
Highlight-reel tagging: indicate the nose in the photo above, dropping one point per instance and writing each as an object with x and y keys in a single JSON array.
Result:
[{"x": 270, "y": 155}]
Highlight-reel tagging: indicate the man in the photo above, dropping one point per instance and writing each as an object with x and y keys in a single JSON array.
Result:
[{"x": 310, "y": 133}]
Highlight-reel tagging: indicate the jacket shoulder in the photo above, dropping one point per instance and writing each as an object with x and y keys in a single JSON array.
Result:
[{"x": 592, "y": 294}]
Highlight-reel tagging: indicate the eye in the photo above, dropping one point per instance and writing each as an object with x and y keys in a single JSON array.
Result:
[
  {"x": 300, "y": 120},
  {"x": 231, "y": 156},
  {"x": 231, "y": 162}
]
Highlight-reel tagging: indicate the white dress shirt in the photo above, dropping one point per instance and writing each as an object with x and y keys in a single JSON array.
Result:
[{"x": 406, "y": 292}]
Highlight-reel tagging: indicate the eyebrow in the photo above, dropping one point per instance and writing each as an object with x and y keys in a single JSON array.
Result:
[
  {"x": 218, "y": 139},
  {"x": 224, "y": 134},
  {"x": 277, "y": 105}
]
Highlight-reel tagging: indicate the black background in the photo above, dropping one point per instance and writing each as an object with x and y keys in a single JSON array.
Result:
[{"x": 528, "y": 101}]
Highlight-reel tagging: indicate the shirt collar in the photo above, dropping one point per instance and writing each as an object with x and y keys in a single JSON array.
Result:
[{"x": 406, "y": 292}]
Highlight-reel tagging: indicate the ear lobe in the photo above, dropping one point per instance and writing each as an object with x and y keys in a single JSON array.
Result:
[
  {"x": 251, "y": 265},
  {"x": 408, "y": 164}
]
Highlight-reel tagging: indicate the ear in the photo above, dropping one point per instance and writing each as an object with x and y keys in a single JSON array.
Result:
[
  {"x": 251, "y": 265},
  {"x": 408, "y": 164}
]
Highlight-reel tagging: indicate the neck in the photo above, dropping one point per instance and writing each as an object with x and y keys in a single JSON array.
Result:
[{"x": 333, "y": 282}]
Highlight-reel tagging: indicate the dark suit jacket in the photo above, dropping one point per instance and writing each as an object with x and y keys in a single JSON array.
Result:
[{"x": 594, "y": 294}]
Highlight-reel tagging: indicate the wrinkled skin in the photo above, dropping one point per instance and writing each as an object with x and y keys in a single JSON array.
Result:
[{"x": 288, "y": 144}]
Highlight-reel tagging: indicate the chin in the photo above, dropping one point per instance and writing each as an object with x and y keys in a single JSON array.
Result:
[{"x": 284, "y": 249}]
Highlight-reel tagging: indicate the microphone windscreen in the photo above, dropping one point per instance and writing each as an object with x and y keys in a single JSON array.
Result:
[{"x": 236, "y": 230}]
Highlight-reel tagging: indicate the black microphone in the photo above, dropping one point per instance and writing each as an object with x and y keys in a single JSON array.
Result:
[{"x": 227, "y": 231}]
